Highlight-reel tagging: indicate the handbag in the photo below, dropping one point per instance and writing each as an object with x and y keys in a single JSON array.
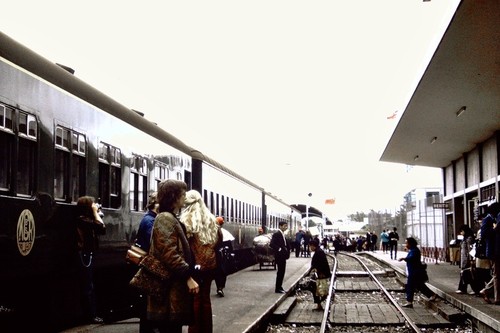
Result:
[
  {"x": 135, "y": 255},
  {"x": 225, "y": 260},
  {"x": 152, "y": 278},
  {"x": 423, "y": 272},
  {"x": 480, "y": 249},
  {"x": 322, "y": 287}
]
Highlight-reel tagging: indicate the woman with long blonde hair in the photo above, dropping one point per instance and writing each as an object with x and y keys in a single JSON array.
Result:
[{"x": 204, "y": 236}]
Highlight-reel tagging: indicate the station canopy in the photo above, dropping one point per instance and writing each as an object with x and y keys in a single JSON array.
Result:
[
  {"x": 456, "y": 103},
  {"x": 313, "y": 212}
]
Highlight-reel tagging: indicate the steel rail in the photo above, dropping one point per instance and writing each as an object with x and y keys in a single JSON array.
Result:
[
  {"x": 326, "y": 312},
  {"x": 410, "y": 322}
]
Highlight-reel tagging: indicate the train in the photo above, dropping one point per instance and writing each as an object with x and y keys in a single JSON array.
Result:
[{"x": 60, "y": 139}]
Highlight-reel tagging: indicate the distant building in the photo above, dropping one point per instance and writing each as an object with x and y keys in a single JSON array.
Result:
[{"x": 425, "y": 216}]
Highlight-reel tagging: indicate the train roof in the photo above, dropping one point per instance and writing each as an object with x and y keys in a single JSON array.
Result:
[
  {"x": 62, "y": 77},
  {"x": 456, "y": 103},
  {"x": 199, "y": 155}
]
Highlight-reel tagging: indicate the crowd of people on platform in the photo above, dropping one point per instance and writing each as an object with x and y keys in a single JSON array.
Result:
[{"x": 335, "y": 243}]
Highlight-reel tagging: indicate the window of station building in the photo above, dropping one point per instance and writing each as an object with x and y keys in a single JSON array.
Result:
[
  {"x": 69, "y": 164},
  {"x": 161, "y": 173},
  {"x": 138, "y": 183},
  {"x": 109, "y": 175}
]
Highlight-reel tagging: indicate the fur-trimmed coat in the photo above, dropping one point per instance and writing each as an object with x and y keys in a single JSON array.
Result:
[{"x": 170, "y": 245}]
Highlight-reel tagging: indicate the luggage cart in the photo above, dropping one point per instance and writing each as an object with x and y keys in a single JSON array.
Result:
[{"x": 263, "y": 253}]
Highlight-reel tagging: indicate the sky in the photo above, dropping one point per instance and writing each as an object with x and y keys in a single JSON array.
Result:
[{"x": 292, "y": 95}]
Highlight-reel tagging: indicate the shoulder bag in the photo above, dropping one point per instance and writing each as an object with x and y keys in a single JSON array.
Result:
[{"x": 152, "y": 278}]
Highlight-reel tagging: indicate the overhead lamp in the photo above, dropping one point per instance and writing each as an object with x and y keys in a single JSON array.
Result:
[
  {"x": 462, "y": 110},
  {"x": 416, "y": 158},
  {"x": 434, "y": 140}
]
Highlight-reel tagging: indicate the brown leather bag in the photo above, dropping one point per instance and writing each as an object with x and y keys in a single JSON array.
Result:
[{"x": 152, "y": 278}]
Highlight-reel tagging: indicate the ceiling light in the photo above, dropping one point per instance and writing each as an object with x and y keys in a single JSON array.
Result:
[
  {"x": 462, "y": 110},
  {"x": 434, "y": 139}
]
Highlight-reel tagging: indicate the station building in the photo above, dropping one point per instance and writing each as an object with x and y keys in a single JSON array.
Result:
[{"x": 452, "y": 120}]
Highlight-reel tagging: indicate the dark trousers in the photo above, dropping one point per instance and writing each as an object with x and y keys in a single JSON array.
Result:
[
  {"x": 469, "y": 276},
  {"x": 88, "y": 299},
  {"x": 220, "y": 279},
  {"x": 297, "y": 249},
  {"x": 280, "y": 275},
  {"x": 416, "y": 283},
  {"x": 202, "y": 306},
  {"x": 385, "y": 246},
  {"x": 394, "y": 248},
  {"x": 145, "y": 325}
]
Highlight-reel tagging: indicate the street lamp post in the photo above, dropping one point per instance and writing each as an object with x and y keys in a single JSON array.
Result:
[{"x": 307, "y": 211}]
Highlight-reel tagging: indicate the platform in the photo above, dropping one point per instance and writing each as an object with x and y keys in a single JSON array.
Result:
[{"x": 250, "y": 293}]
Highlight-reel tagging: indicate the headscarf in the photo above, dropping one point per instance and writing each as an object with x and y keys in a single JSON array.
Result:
[{"x": 198, "y": 219}]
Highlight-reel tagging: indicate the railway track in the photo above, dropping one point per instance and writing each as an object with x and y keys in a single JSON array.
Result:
[{"x": 364, "y": 296}]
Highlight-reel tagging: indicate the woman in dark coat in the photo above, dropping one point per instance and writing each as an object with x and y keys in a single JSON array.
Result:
[
  {"x": 170, "y": 245},
  {"x": 467, "y": 270},
  {"x": 415, "y": 273},
  {"x": 320, "y": 265},
  {"x": 89, "y": 226}
]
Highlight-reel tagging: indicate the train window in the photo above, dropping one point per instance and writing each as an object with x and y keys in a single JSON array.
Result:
[
  {"x": 26, "y": 167},
  {"x": 78, "y": 143},
  {"x": 7, "y": 140},
  {"x": 27, "y": 125},
  {"x": 6, "y": 149},
  {"x": 77, "y": 177},
  {"x": 211, "y": 207},
  {"x": 223, "y": 206},
  {"x": 17, "y": 167},
  {"x": 161, "y": 173},
  {"x": 109, "y": 175},
  {"x": 6, "y": 114},
  {"x": 62, "y": 138},
  {"x": 232, "y": 210},
  {"x": 217, "y": 205},
  {"x": 138, "y": 183},
  {"x": 69, "y": 164}
]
